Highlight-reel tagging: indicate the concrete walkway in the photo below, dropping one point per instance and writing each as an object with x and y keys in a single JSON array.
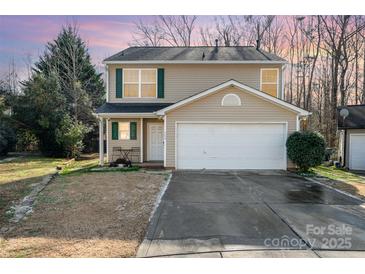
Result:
[{"x": 253, "y": 214}]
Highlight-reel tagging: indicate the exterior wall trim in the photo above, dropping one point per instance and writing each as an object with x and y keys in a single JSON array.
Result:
[
  {"x": 298, "y": 123},
  {"x": 285, "y": 123},
  {"x": 283, "y": 70}
]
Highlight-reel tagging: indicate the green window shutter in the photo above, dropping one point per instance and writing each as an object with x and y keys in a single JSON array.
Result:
[
  {"x": 133, "y": 130},
  {"x": 160, "y": 83},
  {"x": 115, "y": 130},
  {"x": 118, "y": 83}
]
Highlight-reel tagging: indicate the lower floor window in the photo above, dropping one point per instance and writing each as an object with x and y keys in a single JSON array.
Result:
[{"x": 124, "y": 131}]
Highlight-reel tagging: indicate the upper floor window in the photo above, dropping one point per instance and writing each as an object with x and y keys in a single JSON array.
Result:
[
  {"x": 140, "y": 83},
  {"x": 270, "y": 81}
]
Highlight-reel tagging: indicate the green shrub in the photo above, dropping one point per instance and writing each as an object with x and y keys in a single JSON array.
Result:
[
  {"x": 26, "y": 140},
  {"x": 306, "y": 149},
  {"x": 69, "y": 135}
]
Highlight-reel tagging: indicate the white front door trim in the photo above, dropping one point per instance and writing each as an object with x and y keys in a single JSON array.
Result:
[
  {"x": 285, "y": 123},
  {"x": 350, "y": 147},
  {"x": 150, "y": 156}
]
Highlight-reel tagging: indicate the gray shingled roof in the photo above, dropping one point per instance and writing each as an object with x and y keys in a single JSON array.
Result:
[
  {"x": 193, "y": 54},
  {"x": 355, "y": 119},
  {"x": 131, "y": 107}
]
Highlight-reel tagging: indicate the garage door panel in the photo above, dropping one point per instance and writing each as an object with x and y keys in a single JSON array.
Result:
[
  {"x": 357, "y": 151},
  {"x": 231, "y": 146}
]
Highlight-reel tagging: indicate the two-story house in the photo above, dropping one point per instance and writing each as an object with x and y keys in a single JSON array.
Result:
[{"x": 198, "y": 107}]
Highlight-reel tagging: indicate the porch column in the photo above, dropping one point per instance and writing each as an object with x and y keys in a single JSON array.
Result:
[
  {"x": 107, "y": 138},
  {"x": 101, "y": 141},
  {"x": 141, "y": 153},
  {"x": 164, "y": 139}
]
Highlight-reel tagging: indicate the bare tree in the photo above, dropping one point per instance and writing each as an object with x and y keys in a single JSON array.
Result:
[
  {"x": 12, "y": 78},
  {"x": 147, "y": 35},
  {"x": 165, "y": 30},
  {"x": 337, "y": 34},
  {"x": 260, "y": 26},
  {"x": 177, "y": 30}
]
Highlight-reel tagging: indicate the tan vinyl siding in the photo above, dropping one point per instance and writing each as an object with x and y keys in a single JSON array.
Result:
[
  {"x": 122, "y": 143},
  {"x": 209, "y": 109},
  {"x": 184, "y": 80}
]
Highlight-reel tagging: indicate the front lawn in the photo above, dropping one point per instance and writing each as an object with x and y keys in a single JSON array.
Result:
[
  {"x": 17, "y": 177},
  {"x": 82, "y": 213},
  {"x": 342, "y": 179}
]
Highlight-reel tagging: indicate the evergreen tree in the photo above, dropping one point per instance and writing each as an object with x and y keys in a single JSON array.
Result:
[
  {"x": 83, "y": 87},
  {"x": 41, "y": 108},
  {"x": 64, "y": 86}
]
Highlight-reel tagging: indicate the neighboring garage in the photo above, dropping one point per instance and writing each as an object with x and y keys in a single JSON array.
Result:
[
  {"x": 231, "y": 145},
  {"x": 351, "y": 123},
  {"x": 357, "y": 151}
]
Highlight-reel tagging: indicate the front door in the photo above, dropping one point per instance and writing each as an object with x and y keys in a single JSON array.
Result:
[{"x": 155, "y": 137}]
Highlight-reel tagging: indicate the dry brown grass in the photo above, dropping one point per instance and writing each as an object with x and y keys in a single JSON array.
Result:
[{"x": 88, "y": 215}]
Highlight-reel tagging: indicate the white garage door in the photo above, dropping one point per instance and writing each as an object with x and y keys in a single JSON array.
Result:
[
  {"x": 231, "y": 146},
  {"x": 357, "y": 152}
]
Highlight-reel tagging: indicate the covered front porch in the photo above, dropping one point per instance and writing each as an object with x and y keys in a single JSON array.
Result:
[{"x": 138, "y": 138}]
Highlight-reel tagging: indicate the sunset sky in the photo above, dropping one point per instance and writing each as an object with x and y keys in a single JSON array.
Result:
[{"x": 22, "y": 36}]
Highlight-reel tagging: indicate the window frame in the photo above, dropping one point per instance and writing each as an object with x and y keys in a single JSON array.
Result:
[
  {"x": 129, "y": 131},
  {"x": 140, "y": 82},
  {"x": 234, "y": 95},
  {"x": 270, "y": 83}
]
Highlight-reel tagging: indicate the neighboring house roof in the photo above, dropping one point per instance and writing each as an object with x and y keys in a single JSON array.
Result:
[
  {"x": 355, "y": 119},
  {"x": 239, "y": 85},
  {"x": 239, "y": 54},
  {"x": 130, "y": 108}
]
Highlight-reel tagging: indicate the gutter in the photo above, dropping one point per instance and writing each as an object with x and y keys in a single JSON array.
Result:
[
  {"x": 128, "y": 115},
  {"x": 195, "y": 62}
]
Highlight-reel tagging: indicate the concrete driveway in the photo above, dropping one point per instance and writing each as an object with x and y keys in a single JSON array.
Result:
[{"x": 253, "y": 214}]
